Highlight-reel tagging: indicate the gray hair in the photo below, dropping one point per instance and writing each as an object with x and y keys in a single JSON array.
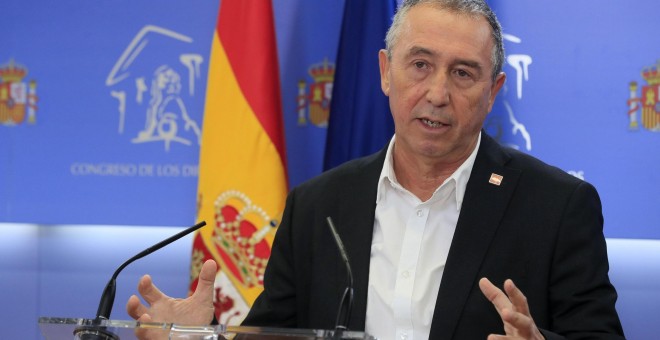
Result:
[{"x": 469, "y": 7}]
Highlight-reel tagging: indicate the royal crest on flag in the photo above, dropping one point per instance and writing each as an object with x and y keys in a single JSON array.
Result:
[{"x": 242, "y": 178}]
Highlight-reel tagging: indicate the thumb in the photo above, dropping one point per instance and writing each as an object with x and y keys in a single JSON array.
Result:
[{"x": 206, "y": 282}]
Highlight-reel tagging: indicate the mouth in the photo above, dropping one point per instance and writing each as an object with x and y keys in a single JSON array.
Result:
[{"x": 431, "y": 123}]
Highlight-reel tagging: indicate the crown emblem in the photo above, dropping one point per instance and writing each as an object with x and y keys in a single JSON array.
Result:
[
  {"x": 322, "y": 72},
  {"x": 239, "y": 237},
  {"x": 12, "y": 72},
  {"x": 651, "y": 74}
]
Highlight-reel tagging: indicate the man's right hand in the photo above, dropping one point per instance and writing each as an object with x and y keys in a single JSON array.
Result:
[{"x": 196, "y": 310}]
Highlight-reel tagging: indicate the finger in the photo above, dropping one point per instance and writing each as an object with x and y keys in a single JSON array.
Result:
[
  {"x": 143, "y": 333},
  {"x": 149, "y": 291},
  {"x": 496, "y": 337},
  {"x": 145, "y": 318},
  {"x": 499, "y": 337},
  {"x": 148, "y": 333},
  {"x": 494, "y": 295},
  {"x": 206, "y": 283},
  {"x": 522, "y": 323},
  {"x": 135, "y": 308},
  {"x": 518, "y": 299}
]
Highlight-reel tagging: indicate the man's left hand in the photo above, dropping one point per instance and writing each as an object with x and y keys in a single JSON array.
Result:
[{"x": 513, "y": 309}]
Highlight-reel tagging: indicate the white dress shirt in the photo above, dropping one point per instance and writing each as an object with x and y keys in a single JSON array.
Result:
[{"x": 409, "y": 250}]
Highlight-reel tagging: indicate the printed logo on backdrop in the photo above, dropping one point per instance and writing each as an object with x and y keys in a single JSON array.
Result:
[
  {"x": 18, "y": 98},
  {"x": 503, "y": 123},
  {"x": 314, "y": 100},
  {"x": 648, "y": 101},
  {"x": 154, "y": 81}
]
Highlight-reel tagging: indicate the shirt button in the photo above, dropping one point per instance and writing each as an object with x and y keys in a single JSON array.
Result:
[
  {"x": 420, "y": 213},
  {"x": 405, "y": 275},
  {"x": 404, "y": 336}
]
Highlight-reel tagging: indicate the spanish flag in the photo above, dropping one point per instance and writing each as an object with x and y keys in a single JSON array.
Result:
[{"x": 242, "y": 173}]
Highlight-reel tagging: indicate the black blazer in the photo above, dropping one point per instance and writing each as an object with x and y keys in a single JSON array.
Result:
[{"x": 541, "y": 227}]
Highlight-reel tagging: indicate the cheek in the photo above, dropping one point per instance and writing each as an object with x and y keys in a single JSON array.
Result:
[
  {"x": 402, "y": 102},
  {"x": 396, "y": 109},
  {"x": 414, "y": 97},
  {"x": 479, "y": 98},
  {"x": 473, "y": 109}
]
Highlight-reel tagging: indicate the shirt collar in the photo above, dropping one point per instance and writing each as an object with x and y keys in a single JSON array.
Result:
[{"x": 460, "y": 177}]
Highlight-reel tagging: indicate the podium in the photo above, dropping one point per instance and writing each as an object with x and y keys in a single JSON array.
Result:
[{"x": 81, "y": 329}]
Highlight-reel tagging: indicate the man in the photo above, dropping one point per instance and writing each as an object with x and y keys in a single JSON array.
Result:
[{"x": 428, "y": 219}]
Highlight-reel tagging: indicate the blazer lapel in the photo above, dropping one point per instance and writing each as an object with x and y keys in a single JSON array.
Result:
[
  {"x": 483, "y": 206},
  {"x": 355, "y": 221}
]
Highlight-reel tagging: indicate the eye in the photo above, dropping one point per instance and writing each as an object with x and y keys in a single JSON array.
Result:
[
  {"x": 462, "y": 73},
  {"x": 420, "y": 64}
]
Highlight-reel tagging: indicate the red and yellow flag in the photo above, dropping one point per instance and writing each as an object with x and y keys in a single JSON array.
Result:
[{"x": 242, "y": 174}]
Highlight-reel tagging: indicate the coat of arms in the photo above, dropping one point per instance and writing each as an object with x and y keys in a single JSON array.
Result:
[
  {"x": 317, "y": 100},
  {"x": 648, "y": 102},
  {"x": 17, "y": 98}
]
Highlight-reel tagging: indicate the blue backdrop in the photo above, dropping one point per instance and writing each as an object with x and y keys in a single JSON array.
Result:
[
  {"x": 111, "y": 124},
  {"x": 100, "y": 112}
]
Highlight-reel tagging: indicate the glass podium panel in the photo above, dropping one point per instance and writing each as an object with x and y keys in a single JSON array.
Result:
[{"x": 89, "y": 329}]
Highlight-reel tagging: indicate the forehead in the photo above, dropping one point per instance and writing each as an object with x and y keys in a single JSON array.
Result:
[{"x": 443, "y": 31}]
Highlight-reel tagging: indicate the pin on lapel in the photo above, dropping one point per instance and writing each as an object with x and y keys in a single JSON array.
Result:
[{"x": 495, "y": 179}]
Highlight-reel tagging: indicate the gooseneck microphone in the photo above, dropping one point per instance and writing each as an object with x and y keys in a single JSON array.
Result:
[
  {"x": 346, "y": 305},
  {"x": 108, "y": 296}
]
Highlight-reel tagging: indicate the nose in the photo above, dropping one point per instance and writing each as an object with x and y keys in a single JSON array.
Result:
[{"x": 437, "y": 92}]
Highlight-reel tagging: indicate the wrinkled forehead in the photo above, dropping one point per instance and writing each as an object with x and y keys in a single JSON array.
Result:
[
  {"x": 434, "y": 25},
  {"x": 456, "y": 15}
]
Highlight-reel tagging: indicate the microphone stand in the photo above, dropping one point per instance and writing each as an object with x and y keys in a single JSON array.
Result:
[
  {"x": 96, "y": 331},
  {"x": 346, "y": 304}
]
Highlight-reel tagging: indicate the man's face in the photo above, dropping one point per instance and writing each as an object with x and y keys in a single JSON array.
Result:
[{"x": 439, "y": 83}]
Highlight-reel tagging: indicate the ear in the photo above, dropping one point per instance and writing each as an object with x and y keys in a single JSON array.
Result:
[
  {"x": 384, "y": 64},
  {"x": 495, "y": 89}
]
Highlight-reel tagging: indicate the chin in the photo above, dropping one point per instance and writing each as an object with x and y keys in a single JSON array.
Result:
[{"x": 431, "y": 150}]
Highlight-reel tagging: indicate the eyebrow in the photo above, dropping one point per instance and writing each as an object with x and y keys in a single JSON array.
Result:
[
  {"x": 469, "y": 63},
  {"x": 418, "y": 50}
]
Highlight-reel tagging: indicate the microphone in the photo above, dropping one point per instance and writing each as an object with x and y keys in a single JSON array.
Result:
[
  {"x": 108, "y": 296},
  {"x": 346, "y": 305}
]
